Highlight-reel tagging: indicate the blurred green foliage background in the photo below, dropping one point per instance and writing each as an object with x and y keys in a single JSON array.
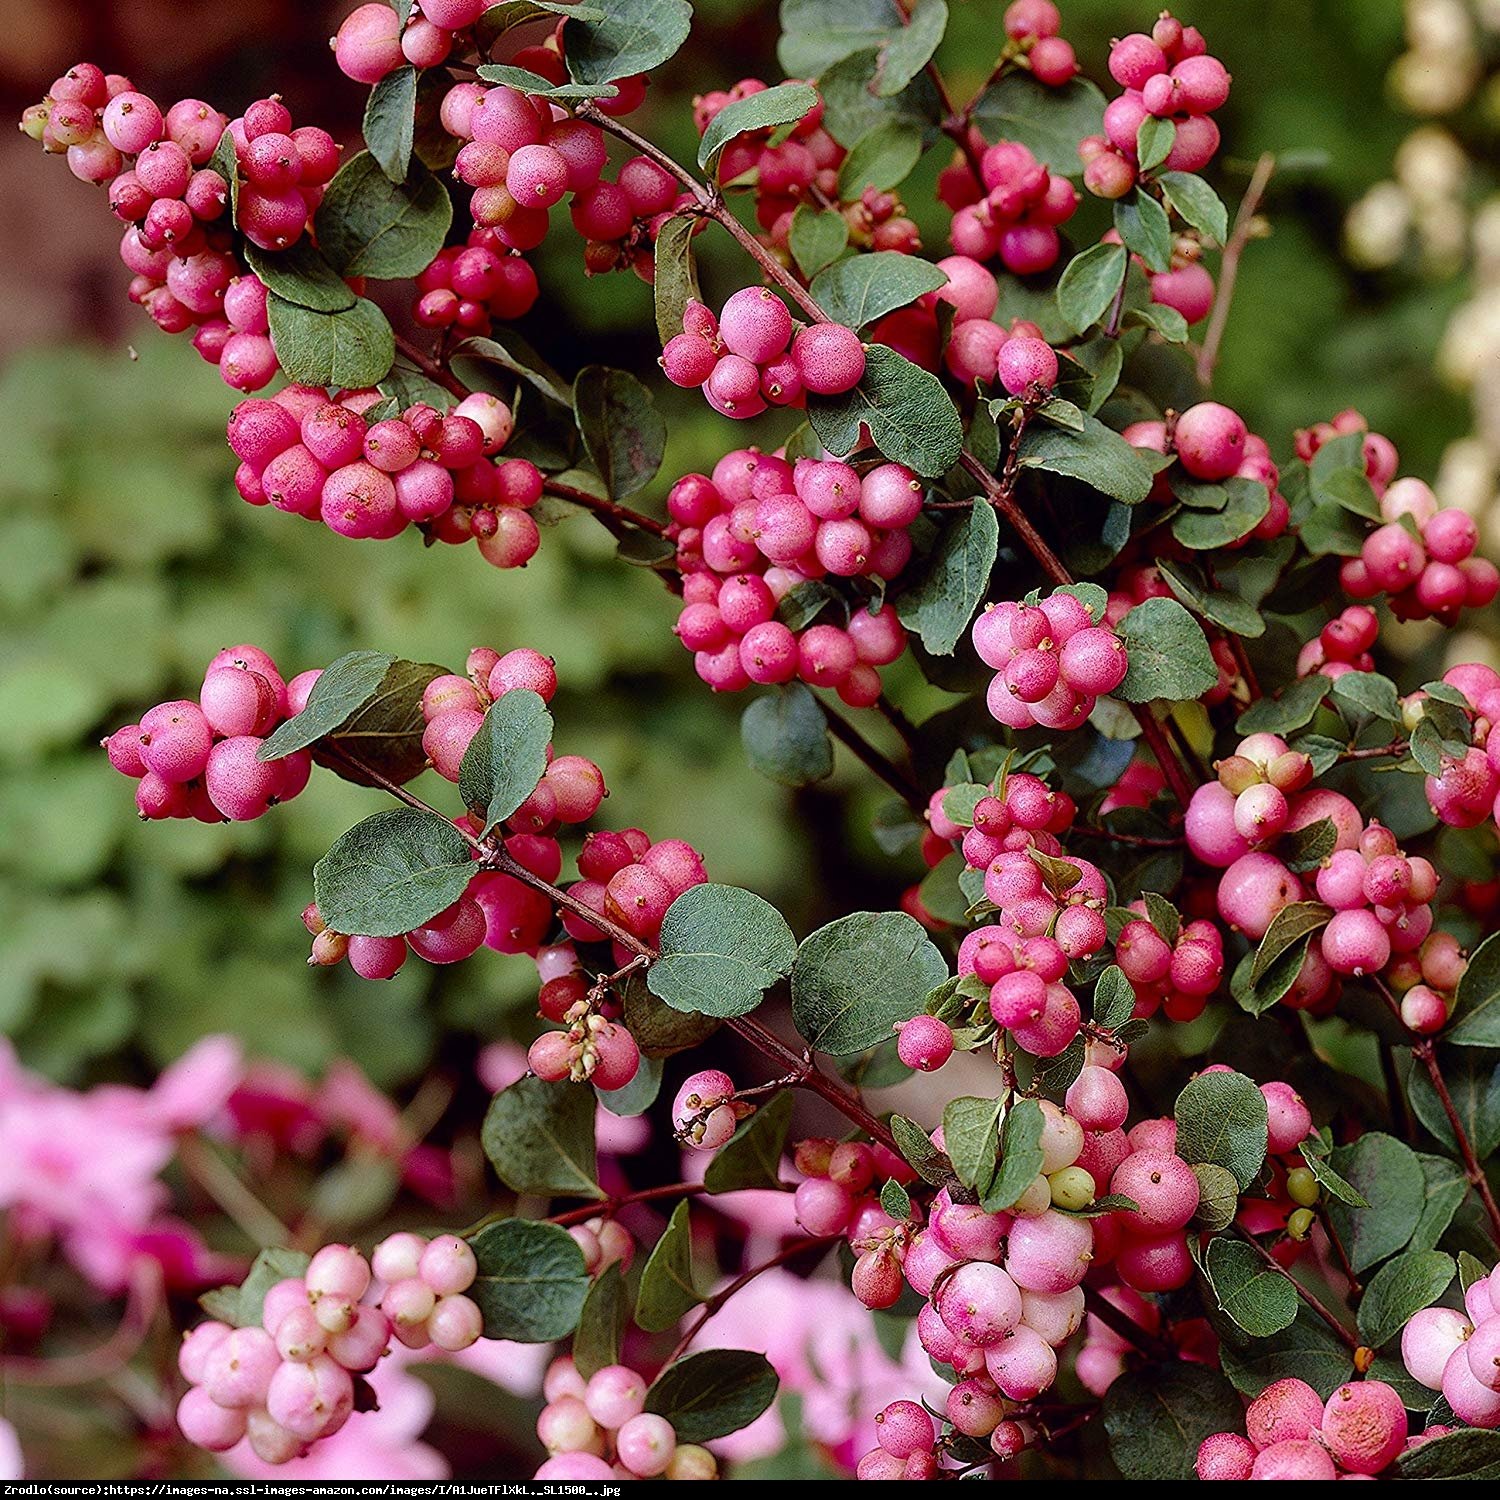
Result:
[{"x": 126, "y": 561}]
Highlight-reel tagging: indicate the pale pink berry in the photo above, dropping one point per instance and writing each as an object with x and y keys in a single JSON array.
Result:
[
  {"x": 455, "y": 1323},
  {"x": 239, "y": 1368},
  {"x": 1287, "y": 1410},
  {"x": 1364, "y": 1426},
  {"x": 645, "y": 1445},
  {"x": 830, "y": 357},
  {"x": 614, "y": 1395},
  {"x": 1224, "y": 1455},
  {"x": 755, "y": 325},
  {"x": 207, "y": 1424},
  {"x": 1210, "y": 440},
  {"x": 904, "y": 1428}
]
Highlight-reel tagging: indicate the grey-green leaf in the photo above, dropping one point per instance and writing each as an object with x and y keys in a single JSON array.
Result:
[
  {"x": 952, "y": 581},
  {"x": 624, "y": 433},
  {"x": 786, "y": 738},
  {"x": 856, "y": 977},
  {"x": 532, "y": 1284},
  {"x": 667, "y": 1289},
  {"x": 1260, "y": 1300},
  {"x": 1400, "y": 1288},
  {"x": 1168, "y": 654},
  {"x": 539, "y": 1138},
  {"x": 720, "y": 950},
  {"x": 351, "y": 348},
  {"x": 370, "y": 226},
  {"x": 391, "y": 873},
  {"x": 1221, "y": 1118},
  {"x": 864, "y": 288},
  {"x": 713, "y": 1393},
  {"x": 506, "y": 758}
]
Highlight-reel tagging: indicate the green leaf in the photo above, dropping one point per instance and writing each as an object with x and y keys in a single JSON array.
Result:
[
  {"x": 542, "y": 88},
  {"x": 667, "y": 1290},
  {"x": 1098, "y": 456},
  {"x": 1476, "y": 1016},
  {"x": 1467, "y": 1453},
  {"x": 1218, "y": 1197},
  {"x": 711, "y": 1394},
  {"x": 786, "y": 738},
  {"x": 1142, "y": 223},
  {"x": 1401, "y": 1287},
  {"x": 1386, "y": 1173},
  {"x": 1308, "y": 1350},
  {"x": 1473, "y": 1078},
  {"x": 909, "y": 48},
  {"x": 751, "y": 1158},
  {"x": 1299, "y": 920},
  {"x": 1315, "y": 1150},
  {"x": 818, "y": 33},
  {"x": 1168, "y": 654},
  {"x": 1307, "y": 847},
  {"x": 384, "y": 733},
  {"x": 637, "y": 1096},
  {"x": 676, "y": 279},
  {"x": 930, "y": 1164},
  {"x": 1114, "y": 999},
  {"x": 506, "y": 348},
  {"x": 240, "y": 1306},
  {"x": 851, "y": 108},
  {"x": 1154, "y": 142},
  {"x": 864, "y": 288},
  {"x": 353, "y": 348},
  {"x": 1293, "y": 709},
  {"x": 784, "y": 104},
  {"x": 895, "y": 1200},
  {"x": 1246, "y": 506},
  {"x": 1260, "y": 1300},
  {"x": 883, "y": 158},
  {"x": 720, "y": 950},
  {"x": 532, "y": 1285},
  {"x": 343, "y": 687},
  {"x": 370, "y": 226},
  {"x": 817, "y": 237},
  {"x": 1221, "y": 1118},
  {"x": 624, "y": 433},
  {"x": 1470, "y": 1270},
  {"x": 300, "y": 275},
  {"x": 626, "y": 39},
  {"x": 856, "y": 977},
  {"x": 601, "y": 1322},
  {"x": 1446, "y": 1188},
  {"x": 952, "y": 581},
  {"x": 1090, "y": 283},
  {"x": 909, "y": 415},
  {"x": 391, "y": 873},
  {"x": 1049, "y": 121},
  {"x": 971, "y": 1135},
  {"x": 1156, "y": 1418},
  {"x": 1166, "y": 321},
  {"x": 1197, "y": 203},
  {"x": 390, "y": 129},
  {"x": 506, "y": 758},
  {"x": 660, "y": 1031},
  {"x": 1369, "y": 695},
  {"x": 1021, "y": 1155},
  {"x": 539, "y": 1138},
  {"x": 1218, "y": 606}
]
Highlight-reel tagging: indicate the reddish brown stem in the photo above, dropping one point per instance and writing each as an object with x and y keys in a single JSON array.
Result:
[
  {"x": 1125, "y": 1327},
  {"x": 1426, "y": 1054},
  {"x": 1229, "y": 265},
  {"x": 895, "y": 778},
  {"x": 1272, "y": 1264},
  {"x": 605, "y": 509},
  {"x": 613, "y": 1205}
]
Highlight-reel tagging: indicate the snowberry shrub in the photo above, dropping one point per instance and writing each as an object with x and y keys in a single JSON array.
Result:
[{"x": 1220, "y": 955}]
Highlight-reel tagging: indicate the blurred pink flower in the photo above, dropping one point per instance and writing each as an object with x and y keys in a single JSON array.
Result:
[
  {"x": 193, "y": 1091},
  {"x": 823, "y": 1344}
]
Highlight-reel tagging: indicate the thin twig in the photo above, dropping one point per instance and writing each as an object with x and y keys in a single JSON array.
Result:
[
  {"x": 1426, "y": 1054},
  {"x": 604, "y": 507},
  {"x": 611, "y": 1206},
  {"x": 220, "y": 1182},
  {"x": 143, "y": 1301},
  {"x": 1272, "y": 1264},
  {"x": 1125, "y": 1327},
  {"x": 895, "y": 778},
  {"x": 716, "y": 1302},
  {"x": 1229, "y": 265}
]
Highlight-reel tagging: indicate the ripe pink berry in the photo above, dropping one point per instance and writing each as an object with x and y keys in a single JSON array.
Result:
[
  {"x": 1210, "y": 440},
  {"x": 1364, "y": 1426},
  {"x": 207, "y": 1424},
  {"x": 755, "y": 324},
  {"x": 1287, "y": 1410},
  {"x": 1289, "y": 1119},
  {"x": 1026, "y": 366},
  {"x": 924, "y": 1043},
  {"x": 830, "y": 357},
  {"x": 368, "y": 44}
]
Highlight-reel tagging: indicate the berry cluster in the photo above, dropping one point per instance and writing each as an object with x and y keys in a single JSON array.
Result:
[
  {"x": 705, "y": 1111},
  {"x": 1186, "y": 286},
  {"x": 467, "y": 287},
  {"x": 753, "y": 355},
  {"x": 519, "y": 158},
  {"x": 1458, "y": 1353},
  {"x": 363, "y": 474},
  {"x": 1295, "y": 1435},
  {"x": 179, "y": 245},
  {"x": 1343, "y": 645},
  {"x": 1051, "y": 661},
  {"x": 201, "y": 760},
  {"x": 1175, "y": 977},
  {"x": 599, "y": 1428},
  {"x": 1148, "y": 1244},
  {"x": 758, "y": 529},
  {"x": 1014, "y": 211},
  {"x": 836, "y": 1196},
  {"x": 1168, "y": 75},
  {"x": 291, "y": 1378},
  {"x": 1381, "y": 458},
  {"x": 1466, "y": 792},
  {"x": 1423, "y": 557},
  {"x": 630, "y": 881},
  {"x": 1032, "y": 27}
]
